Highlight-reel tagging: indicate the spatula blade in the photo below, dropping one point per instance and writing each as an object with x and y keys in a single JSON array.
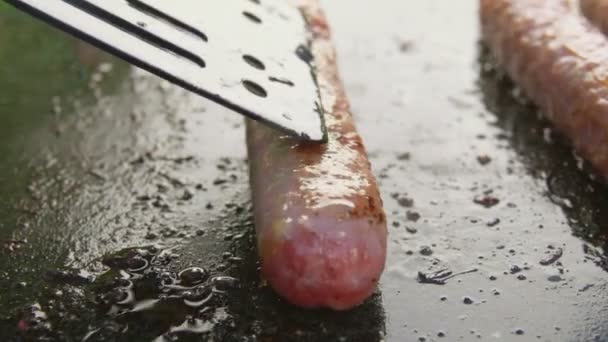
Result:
[{"x": 248, "y": 55}]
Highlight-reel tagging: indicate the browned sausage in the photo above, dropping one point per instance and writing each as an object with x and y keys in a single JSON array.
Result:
[
  {"x": 321, "y": 229},
  {"x": 560, "y": 61}
]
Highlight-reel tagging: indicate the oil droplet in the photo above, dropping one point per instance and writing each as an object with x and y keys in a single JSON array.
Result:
[
  {"x": 515, "y": 269},
  {"x": 137, "y": 264},
  {"x": 223, "y": 283},
  {"x": 193, "y": 276},
  {"x": 426, "y": 250},
  {"x": 198, "y": 297}
]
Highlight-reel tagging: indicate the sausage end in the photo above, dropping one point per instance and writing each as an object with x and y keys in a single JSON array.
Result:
[{"x": 320, "y": 263}]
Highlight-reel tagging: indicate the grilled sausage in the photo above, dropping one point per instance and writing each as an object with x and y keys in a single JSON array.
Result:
[
  {"x": 560, "y": 60},
  {"x": 321, "y": 230}
]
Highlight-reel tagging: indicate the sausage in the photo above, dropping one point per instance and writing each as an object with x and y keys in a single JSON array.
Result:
[
  {"x": 596, "y": 11},
  {"x": 320, "y": 227},
  {"x": 560, "y": 60}
]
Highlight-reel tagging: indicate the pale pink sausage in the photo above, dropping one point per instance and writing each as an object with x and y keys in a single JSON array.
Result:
[
  {"x": 560, "y": 61},
  {"x": 321, "y": 229}
]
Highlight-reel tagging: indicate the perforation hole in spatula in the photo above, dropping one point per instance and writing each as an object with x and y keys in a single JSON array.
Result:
[
  {"x": 254, "y": 62},
  {"x": 143, "y": 7},
  {"x": 136, "y": 21},
  {"x": 255, "y": 88},
  {"x": 254, "y": 18},
  {"x": 281, "y": 80}
]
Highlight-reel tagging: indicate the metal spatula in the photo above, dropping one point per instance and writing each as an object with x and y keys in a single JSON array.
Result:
[{"x": 249, "y": 55}]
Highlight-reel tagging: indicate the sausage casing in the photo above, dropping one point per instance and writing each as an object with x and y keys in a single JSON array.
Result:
[
  {"x": 321, "y": 230},
  {"x": 560, "y": 61}
]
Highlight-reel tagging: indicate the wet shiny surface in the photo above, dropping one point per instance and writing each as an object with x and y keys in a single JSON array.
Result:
[{"x": 111, "y": 172}]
